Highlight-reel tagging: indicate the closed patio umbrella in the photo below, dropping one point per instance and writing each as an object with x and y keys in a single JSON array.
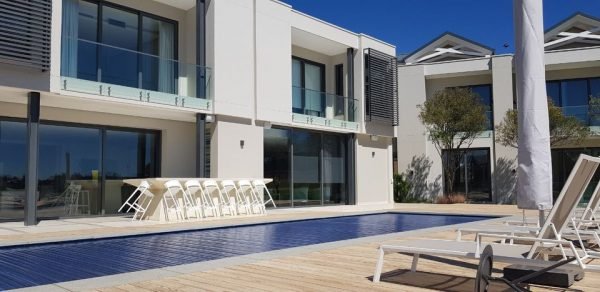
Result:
[{"x": 534, "y": 182}]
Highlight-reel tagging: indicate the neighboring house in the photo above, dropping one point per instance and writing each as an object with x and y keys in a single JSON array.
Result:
[
  {"x": 487, "y": 172},
  {"x": 190, "y": 88}
]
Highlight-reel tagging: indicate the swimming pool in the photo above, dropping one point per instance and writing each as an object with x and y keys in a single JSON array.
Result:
[{"x": 39, "y": 264}]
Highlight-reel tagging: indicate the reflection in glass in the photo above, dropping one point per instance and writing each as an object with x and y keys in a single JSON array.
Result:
[
  {"x": 485, "y": 94},
  {"x": 306, "y": 168},
  {"x": 158, "y": 39},
  {"x": 563, "y": 161},
  {"x": 334, "y": 169},
  {"x": 473, "y": 173},
  {"x": 277, "y": 165},
  {"x": 13, "y": 162},
  {"x": 127, "y": 155},
  {"x": 68, "y": 171},
  {"x": 119, "y": 30}
]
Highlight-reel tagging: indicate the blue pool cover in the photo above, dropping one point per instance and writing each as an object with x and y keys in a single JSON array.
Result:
[{"x": 25, "y": 266}]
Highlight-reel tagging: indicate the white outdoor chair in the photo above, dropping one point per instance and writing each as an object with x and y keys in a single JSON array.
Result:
[
  {"x": 260, "y": 185},
  {"x": 223, "y": 202},
  {"x": 171, "y": 202},
  {"x": 247, "y": 191},
  {"x": 140, "y": 203},
  {"x": 132, "y": 204},
  {"x": 72, "y": 198},
  {"x": 241, "y": 203},
  {"x": 202, "y": 199}
]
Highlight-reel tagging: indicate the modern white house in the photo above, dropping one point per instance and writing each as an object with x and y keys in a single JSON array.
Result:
[
  {"x": 96, "y": 91},
  {"x": 487, "y": 172}
]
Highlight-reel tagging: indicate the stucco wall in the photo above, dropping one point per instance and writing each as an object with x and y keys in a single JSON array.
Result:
[{"x": 373, "y": 170}]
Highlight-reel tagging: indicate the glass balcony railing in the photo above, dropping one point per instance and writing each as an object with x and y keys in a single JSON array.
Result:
[
  {"x": 324, "y": 105},
  {"x": 113, "y": 71}
]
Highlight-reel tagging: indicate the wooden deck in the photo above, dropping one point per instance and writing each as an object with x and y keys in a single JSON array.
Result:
[{"x": 347, "y": 268}]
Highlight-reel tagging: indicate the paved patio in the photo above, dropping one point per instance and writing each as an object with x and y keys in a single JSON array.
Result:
[{"x": 345, "y": 265}]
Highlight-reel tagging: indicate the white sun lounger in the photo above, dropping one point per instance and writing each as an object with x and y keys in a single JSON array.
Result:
[
  {"x": 548, "y": 241},
  {"x": 575, "y": 187}
]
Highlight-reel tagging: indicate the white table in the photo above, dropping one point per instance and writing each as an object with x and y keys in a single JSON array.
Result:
[{"x": 156, "y": 210}]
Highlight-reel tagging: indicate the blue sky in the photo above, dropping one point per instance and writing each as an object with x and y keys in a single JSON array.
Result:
[{"x": 409, "y": 24}]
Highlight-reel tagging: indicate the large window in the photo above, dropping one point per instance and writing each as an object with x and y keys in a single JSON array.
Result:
[
  {"x": 307, "y": 167},
  {"x": 484, "y": 92},
  {"x": 80, "y": 168},
  {"x": 110, "y": 43},
  {"x": 13, "y": 163},
  {"x": 573, "y": 96},
  {"x": 473, "y": 173},
  {"x": 308, "y": 86}
]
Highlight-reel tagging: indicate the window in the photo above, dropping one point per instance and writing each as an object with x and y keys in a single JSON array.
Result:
[
  {"x": 573, "y": 96},
  {"x": 484, "y": 92},
  {"x": 308, "y": 87},
  {"x": 563, "y": 161},
  {"x": 81, "y": 168},
  {"x": 308, "y": 168},
  {"x": 110, "y": 43},
  {"x": 473, "y": 173},
  {"x": 13, "y": 163}
]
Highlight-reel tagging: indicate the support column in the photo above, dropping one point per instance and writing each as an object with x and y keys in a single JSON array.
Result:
[
  {"x": 351, "y": 169},
  {"x": 200, "y": 145},
  {"x": 350, "y": 81},
  {"x": 201, "y": 6},
  {"x": 31, "y": 177}
]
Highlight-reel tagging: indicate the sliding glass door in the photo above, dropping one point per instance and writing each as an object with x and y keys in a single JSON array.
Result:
[
  {"x": 473, "y": 173},
  {"x": 308, "y": 168},
  {"x": 308, "y": 87},
  {"x": 13, "y": 162}
]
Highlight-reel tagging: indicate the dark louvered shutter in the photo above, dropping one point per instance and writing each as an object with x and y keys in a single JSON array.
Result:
[
  {"x": 381, "y": 87},
  {"x": 25, "y": 32}
]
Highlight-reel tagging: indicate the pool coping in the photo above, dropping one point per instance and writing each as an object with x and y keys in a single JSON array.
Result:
[{"x": 155, "y": 274}]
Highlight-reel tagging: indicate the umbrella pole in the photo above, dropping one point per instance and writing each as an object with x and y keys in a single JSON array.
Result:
[{"x": 542, "y": 218}]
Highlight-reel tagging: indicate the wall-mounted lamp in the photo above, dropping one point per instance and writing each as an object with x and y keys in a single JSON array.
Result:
[
  {"x": 210, "y": 118},
  {"x": 373, "y": 154},
  {"x": 374, "y": 138},
  {"x": 242, "y": 144}
]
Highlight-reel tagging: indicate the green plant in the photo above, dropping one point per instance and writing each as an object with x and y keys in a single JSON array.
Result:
[
  {"x": 401, "y": 188},
  {"x": 563, "y": 129}
]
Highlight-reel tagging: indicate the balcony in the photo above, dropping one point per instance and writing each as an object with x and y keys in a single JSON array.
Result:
[
  {"x": 100, "y": 69},
  {"x": 323, "y": 109}
]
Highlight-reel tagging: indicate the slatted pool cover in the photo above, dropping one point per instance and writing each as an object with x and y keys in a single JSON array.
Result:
[{"x": 25, "y": 266}]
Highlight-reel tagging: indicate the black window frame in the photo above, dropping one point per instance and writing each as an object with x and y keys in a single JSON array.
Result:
[
  {"x": 304, "y": 61},
  {"x": 464, "y": 156}
]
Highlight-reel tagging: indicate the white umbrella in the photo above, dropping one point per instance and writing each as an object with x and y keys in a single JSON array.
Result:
[{"x": 534, "y": 182}]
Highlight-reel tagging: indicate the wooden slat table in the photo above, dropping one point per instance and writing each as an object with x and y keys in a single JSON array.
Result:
[{"x": 156, "y": 210}]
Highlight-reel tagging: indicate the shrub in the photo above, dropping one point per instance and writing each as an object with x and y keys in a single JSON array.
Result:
[
  {"x": 401, "y": 188},
  {"x": 455, "y": 198}
]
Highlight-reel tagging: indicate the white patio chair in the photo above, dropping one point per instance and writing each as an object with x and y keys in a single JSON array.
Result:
[
  {"x": 241, "y": 203},
  {"x": 548, "y": 240},
  {"x": 131, "y": 204},
  {"x": 248, "y": 192},
  {"x": 72, "y": 198},
  {"x": 260, "y": 185},
  {"x": 223, "y": 202},
  {"x": 171, "y": 203},
  {"x": 202, "y": 199}
]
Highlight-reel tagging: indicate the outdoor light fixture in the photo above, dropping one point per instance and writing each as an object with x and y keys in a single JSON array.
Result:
[
  {"x": 210, "y": 118},
  {"x": 242, "y": 144},
  {"x": 373, "y": 154}
]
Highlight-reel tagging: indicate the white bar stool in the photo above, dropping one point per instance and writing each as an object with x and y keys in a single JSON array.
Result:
[
  {"x": 228, "y": 186},
  {"x": 259, "y": 184},
  {"x": 170, "y": 199},
  {"x": 223, "y": 202}
]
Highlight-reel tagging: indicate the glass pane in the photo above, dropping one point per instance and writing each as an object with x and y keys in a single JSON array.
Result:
[
  {"x": 69, "y": 163},
  {"x": 87, "y": 31},
  {"x": 334, "y": 169},
  {"x": 13, "y": 163},
  {"x": 297, "y": 86},
  {"x": 595, "y": 95},
  {"x": 277, "y": 165},
  {"x": 127, "y": 155},
  {"x": 314, "y": 97},
  {"x": 553, "y": 92},
  {"x": 158, "y": 66},
  {"x": 485, "y": 94},
  {"x": 119, "y": 30},
  {"x": 306, "y": 168},
  {"x": 574, "y": 97},
  {"x": 478, "y": 175}
]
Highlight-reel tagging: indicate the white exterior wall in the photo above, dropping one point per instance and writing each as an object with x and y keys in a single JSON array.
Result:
[
  {"x": 374, "y": 184},
  {"x": 233, "y": 160}
]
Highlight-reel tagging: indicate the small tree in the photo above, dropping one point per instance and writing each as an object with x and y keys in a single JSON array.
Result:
[
  {"x": 563, "y": 129},
  {"x": 453, "y": 117}
]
